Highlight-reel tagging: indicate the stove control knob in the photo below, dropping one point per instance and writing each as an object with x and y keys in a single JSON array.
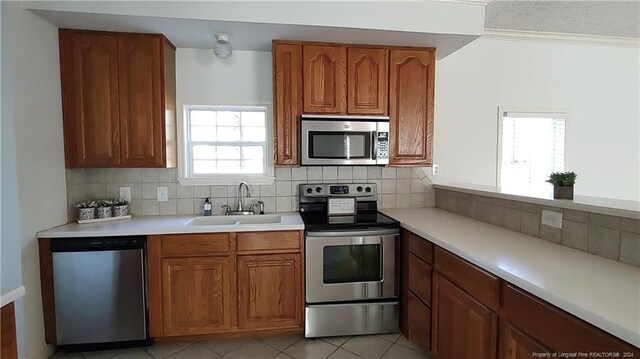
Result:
[
  {"x": 368, "y": 189},
  {"x": 359, "y": 188},
  {"x": 309, "y": 190},
  {"x": 318, "y": 189}
]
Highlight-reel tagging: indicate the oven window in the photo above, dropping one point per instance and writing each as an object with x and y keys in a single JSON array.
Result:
[
  {"x": 352, "y": 263},
  {"x": 326, "y": 144}
]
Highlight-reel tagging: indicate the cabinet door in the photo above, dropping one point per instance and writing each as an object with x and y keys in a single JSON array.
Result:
[
  {"x": 196, "y": 295},
  {"x": 325, "y": 79},
  {"x": 462, "y": 327},
  {"x": 141, "y": 100},
  {"x": 419, "y": 323},
  {"x": 89, "y": 76},
  {"x": 269, "y": 291},
  {"x": 287, "y": 101},
  {"x": 411, "y": 107},
  {"x": 514, "y": 344},
  {"x": 368, "y": 81}
]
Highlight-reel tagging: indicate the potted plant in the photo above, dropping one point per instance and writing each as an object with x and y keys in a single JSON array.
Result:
[
  {"x": 562, "y": 184},
  {"x": 120, "y": 207},
  {"x": 104, "y": 209},
  {"x": 86, "y": 210}
]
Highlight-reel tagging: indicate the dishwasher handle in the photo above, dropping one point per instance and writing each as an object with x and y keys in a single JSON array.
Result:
[{"x": 87, "y": 244}]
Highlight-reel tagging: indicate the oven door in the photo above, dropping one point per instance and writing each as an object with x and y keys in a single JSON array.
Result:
[
  {"x": 344, "y": 266},
  {"x": 339, "y": 142}
]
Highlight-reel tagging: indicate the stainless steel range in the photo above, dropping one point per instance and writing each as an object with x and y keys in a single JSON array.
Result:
[{"x": 351, "y": 255}]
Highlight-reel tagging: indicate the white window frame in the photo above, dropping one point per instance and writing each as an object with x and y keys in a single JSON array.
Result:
[
  {"x": 186, "y": 178},
  {"x": 564, "y": 112}
]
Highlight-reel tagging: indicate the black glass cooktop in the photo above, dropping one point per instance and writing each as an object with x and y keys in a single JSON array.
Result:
[{"x": 361, "y": 221}]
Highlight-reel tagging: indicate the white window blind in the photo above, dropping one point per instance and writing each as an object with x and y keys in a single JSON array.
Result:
[
  {"x": 531, "y": 147},
  {"x": 223, "y": 141}
]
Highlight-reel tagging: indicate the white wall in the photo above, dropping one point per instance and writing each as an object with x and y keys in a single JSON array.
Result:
[
  {"x": 203, "y": 79},
  {"x": 598, "y": 84},
  {"x": 33, "y": 45}
]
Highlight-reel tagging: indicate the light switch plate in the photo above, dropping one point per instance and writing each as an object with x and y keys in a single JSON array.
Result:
[
  {"x": 125, "y": 193},
  {"x": 163, "y": 194},
  {"x": 552, "y": 219}
]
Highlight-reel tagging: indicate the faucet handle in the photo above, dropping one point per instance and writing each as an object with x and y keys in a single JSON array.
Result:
[
  {"x": 226, "y": 209},
  {"x": 260, "y": 206}
]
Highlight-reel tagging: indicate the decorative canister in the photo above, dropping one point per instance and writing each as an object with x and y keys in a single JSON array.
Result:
[
  {"x": 103, "y": 212},
  {"x": 86, "y": 213},
  {"x": 120, "y": 210}
]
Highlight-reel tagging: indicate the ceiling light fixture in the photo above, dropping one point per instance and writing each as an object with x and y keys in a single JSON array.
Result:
[{"x": 222, "y": 48}]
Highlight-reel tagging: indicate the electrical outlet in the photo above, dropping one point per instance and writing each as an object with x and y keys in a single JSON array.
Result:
[
  {"x": 435, "y": 170},
  {"x": 552, "y": 219},
  {"x": 125, "y": 193},
  {"x": 163, "y": 194}
]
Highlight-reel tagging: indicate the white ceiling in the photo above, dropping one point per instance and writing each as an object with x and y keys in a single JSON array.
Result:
[{"x": 605, "y": 18}]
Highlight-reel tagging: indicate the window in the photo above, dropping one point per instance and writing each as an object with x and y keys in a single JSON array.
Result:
[
  {"x": 530, "y": 147},
  {"x": 226, "y": 143}
]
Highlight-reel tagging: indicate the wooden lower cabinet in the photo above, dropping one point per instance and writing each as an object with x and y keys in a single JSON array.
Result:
[
  {"x": 514, "y": 344},
  {"x": 196, "y": 295},
  {"x": 269, "y": 291},
  {"x": 462, "y": 328},
  {"x": 222, "y": 284},
  {"x": 418, "y": 328}
]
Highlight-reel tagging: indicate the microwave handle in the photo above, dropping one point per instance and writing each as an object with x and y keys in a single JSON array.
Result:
[
  {"x": 374, "y": 140},
  {"x": 348, "y": 145}
]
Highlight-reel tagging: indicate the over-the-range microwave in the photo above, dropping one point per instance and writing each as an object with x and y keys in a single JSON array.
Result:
[{"x": 345, "y": 140}]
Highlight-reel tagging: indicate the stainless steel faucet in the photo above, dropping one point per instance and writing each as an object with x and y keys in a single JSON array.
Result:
[{"x": 242, "y": 185}]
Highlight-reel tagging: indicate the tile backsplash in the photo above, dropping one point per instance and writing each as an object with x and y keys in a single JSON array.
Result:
[
  {"x": 607, "y": 236},
  {"x": 397, "y": 188}
]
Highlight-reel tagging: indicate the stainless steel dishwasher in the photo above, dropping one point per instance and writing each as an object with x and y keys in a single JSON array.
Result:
[{"x": 100, "y": 291}]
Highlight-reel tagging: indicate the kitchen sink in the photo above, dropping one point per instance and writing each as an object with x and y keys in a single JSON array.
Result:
[{"x": 234, "y": 220}]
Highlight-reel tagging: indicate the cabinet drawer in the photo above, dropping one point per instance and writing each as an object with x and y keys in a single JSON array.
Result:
[
  {"x": 195, "y": 244},
  {"x": 419, "y": 246},
  {"x": 420, "y": 278},
  {"x": 550, "y": 325},
  {"x": 481, "y": 285},
  {"x": 265, "y": 241}
]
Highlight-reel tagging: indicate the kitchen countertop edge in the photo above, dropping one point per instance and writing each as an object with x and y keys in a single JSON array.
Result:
[
  {"x": 559, "y": 301},
  {"x": 159, "y": 225}
]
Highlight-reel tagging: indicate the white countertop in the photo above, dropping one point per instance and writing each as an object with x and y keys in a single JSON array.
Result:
[
  {"x": 610, "y": 206},
  {"x": 600, "y": 291},
  {"x": 150, "y": 225}
]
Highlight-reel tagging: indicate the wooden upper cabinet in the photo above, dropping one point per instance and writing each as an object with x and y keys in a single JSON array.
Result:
[
  {"x": 287, "y": 102},
  {"x": 368, "y": 81},
  {"x": 118, "y": 94},
  {"x": 196, "y": 295},
  {"x": 140, "y": 79},
  {"x": 411, "y": 97},
  {"x": 270, "y": 291},
  {"x": 325, "y": 79},
  {"x": 462, "y": 327},
  {"x": 89, "y": 76}
]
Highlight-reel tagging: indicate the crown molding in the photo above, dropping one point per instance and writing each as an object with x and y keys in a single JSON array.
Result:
[{"x": 523, "y": 35}]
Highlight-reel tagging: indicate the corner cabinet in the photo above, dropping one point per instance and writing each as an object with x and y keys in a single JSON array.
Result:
[
  {"x": 118, "y": 96},
  {"x": 411, "y": 98}
]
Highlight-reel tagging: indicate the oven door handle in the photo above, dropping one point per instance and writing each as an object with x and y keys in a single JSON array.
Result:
[
  {"x": 365, "y": 233},
  {"x": 374, "y": 141}
]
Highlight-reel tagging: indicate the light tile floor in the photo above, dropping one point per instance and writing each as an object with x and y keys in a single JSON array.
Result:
[{"x": 387, "y": 346}]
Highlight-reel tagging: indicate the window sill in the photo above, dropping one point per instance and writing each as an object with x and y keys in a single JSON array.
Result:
[{"x": 210, "y": 181}]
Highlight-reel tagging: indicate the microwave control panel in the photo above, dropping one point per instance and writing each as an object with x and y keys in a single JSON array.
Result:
[{"x": 383, "y": 145}]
